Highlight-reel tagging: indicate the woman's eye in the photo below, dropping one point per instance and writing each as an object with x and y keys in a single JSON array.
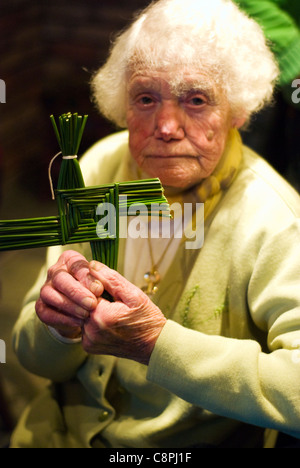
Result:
[
  {"x": 197, "y": 101},
  {"x": 146, "y": 100}
]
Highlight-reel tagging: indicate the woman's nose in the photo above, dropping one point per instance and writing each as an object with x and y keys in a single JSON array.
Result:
[{"x": 169, "y": 122}]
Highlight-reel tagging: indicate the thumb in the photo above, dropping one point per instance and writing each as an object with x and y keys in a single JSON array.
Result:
[{"x": 116, "y": 285}]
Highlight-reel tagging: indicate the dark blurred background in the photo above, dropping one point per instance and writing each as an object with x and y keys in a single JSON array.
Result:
[{"x": 48, "y": 52}]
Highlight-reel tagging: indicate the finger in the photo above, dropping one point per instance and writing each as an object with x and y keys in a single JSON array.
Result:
[
  {"x": 55, "y": 319},
  {"x": 53, "y": 298},
  {"x": 65, "y": 261},
  {"x": 97, "y": 329},
  {"x": 116, "y": 285},
  {"x": 107, "y": 315},
  {"x": 78, "y": 267},
  {"x": 65, "y": 283},
  {"x": 71, "y": 256}
]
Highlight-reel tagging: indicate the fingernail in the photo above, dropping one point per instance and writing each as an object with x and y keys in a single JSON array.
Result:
[
  {"x": 88, "y": 303},
  {"x": 82, "y": 314},
  {"x": 95, "y": 266},
  {"x": 96, "y": 288}
]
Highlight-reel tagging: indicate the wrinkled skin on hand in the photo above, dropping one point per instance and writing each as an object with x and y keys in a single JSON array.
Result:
[
  {"x": 68, "y": 295},
  {"x": 127, "y": 327},
  {"x": 71, "y": 302}
]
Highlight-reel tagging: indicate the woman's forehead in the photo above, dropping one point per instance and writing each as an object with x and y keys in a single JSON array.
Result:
[{"x": 178, "y": 82}]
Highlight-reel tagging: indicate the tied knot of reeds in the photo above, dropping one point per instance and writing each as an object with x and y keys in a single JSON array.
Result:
[{"x": 69, "y": 132}]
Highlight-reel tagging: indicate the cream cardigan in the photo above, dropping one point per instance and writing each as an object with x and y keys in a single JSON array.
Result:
[{"x": 226, "y": 365}]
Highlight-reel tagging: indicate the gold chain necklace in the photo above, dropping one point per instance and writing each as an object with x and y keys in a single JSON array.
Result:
[{"x": 152, "y": 277}]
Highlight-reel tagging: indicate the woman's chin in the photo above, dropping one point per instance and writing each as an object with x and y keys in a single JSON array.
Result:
[{"x": 174, "y": 180}]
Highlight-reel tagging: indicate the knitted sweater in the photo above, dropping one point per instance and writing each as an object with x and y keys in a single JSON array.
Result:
[{"x": 227, "y": 363}]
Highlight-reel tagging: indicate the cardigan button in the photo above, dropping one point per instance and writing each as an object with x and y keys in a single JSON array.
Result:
[{"x": 103, "y": 416}]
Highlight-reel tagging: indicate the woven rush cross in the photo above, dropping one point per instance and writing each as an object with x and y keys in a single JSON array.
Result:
[{"x": 81, "y": 210}]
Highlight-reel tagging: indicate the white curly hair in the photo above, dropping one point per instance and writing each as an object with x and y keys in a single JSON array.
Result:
[{"x": 212, "y": 37}]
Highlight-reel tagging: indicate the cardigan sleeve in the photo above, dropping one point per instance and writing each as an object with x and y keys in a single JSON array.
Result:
[
  {"x": 235, "y": 378},
  {"x": 281, "y": 30}
]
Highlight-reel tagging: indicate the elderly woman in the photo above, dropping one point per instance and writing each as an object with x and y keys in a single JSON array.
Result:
[{"x": 212, "y": 358}]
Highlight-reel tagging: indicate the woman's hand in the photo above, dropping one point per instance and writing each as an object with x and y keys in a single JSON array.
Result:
[
  {"x": 128, "y": 327},
  {"x": 69, "y": 295},
  {"x": 71, "y": 302}
]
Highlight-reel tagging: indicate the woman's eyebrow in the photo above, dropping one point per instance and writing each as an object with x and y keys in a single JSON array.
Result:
[
  {"x": 203, "y": 87},
  {"x": 142, "y": 86}
]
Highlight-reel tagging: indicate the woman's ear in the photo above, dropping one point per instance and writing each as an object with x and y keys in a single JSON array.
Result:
[{"x": 238, "y": 121}]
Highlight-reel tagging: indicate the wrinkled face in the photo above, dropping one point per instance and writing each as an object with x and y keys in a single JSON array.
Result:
[{"x": 177, "y": 132}]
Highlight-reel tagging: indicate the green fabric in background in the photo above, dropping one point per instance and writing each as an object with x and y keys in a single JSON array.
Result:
[{"x": 280, "y": 21}]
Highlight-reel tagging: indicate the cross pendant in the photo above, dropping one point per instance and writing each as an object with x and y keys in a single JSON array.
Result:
[{"x": 152, "y": 279}]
